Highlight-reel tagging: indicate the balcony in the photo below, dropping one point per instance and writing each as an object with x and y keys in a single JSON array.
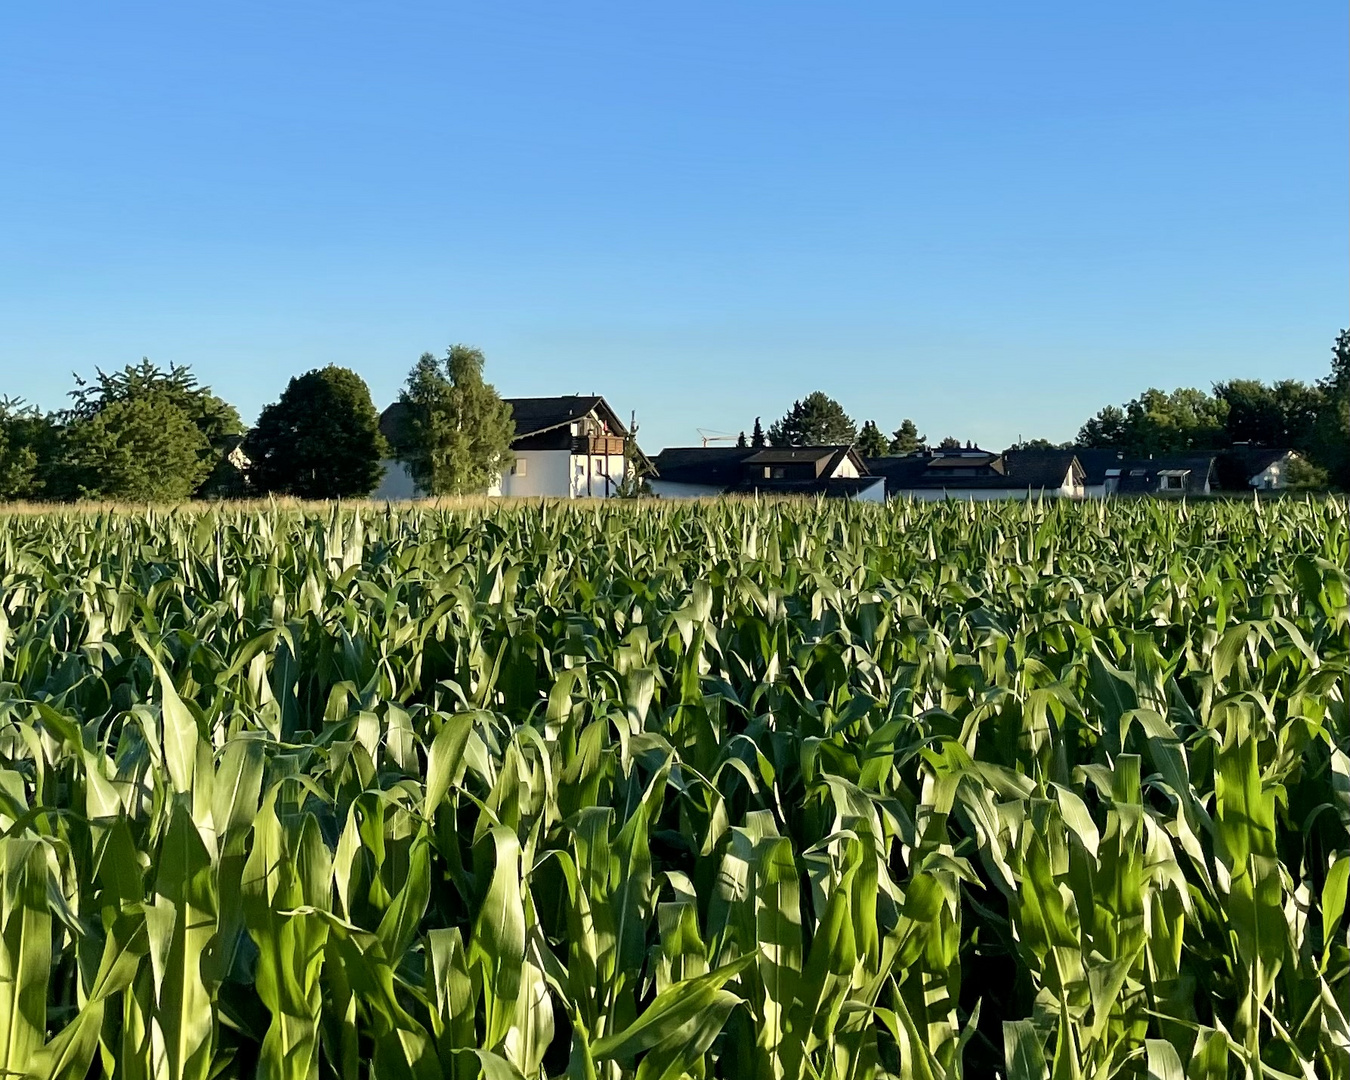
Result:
[{"x": 597, "y": 445}]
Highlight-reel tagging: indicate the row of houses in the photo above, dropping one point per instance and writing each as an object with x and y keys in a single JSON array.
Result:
[{"x": 577, "y": 447}]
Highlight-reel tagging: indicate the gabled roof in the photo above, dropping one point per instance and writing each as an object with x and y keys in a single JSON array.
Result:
[
  {"x": 1096, "y": 462},
  {"x": 532, "y": 415},
  {"x": 1141, "y": 475},
  {"x": 1018, "y": 471},
  {"x": 782, "y": 455},
  {"x": 1042, "y": 468},
  {"x": 715, "y": 466},
  {"x": 732, "y": 467}
]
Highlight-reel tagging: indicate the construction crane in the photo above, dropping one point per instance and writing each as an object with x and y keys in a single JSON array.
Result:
[{"x": 709, "y": 436}]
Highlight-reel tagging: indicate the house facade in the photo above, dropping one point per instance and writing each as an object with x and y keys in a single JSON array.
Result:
[
  {"x": 569, "y": 447},
  {"x": 972, "y": 474},
  {"x": 690, "y": 472},
  {"x": 1244, "y": 468}
]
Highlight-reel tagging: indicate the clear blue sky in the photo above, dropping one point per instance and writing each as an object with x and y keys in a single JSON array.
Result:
[{"x": 991, "y": 217}]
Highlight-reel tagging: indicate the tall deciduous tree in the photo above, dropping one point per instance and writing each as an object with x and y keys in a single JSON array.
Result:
[
  {"x": 1157, "y": 422},
  {"x": 1278, "y": 415},
  {"x": 871, "y": 442},
  {"x": 816, "y": 420},
  {"x": 320, "y": 440},
  {"x": 455, "y": 436},
  {"x": 906, "y": 439},
  {"x": 19, "y": 449}
]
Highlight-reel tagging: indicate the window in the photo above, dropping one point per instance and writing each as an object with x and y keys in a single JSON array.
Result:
[
  {"x": 520, "y": 468},
  {"x": 1169, "y": 483},
  {"x": 576, "y": 428},
  {"x": 768, "y": 472}
]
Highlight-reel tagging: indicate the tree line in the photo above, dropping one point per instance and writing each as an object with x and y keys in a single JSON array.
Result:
[{"x": 149, "y": 434}]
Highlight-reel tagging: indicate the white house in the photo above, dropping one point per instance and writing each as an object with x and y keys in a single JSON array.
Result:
[
  {"x": 690, "y": 472},
  {"x": 1251, "y": 467},
  {"x": 565, "y": 447}
]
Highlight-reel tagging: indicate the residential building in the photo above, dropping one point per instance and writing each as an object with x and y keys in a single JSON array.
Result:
[
  {"x": 686, "y": 472},
  {"x": 1246, "y": 467},
  {"x": 568, "y": 447},
  {"x": 1189, "y": 475},
  {"x": 981, "y": 475}
]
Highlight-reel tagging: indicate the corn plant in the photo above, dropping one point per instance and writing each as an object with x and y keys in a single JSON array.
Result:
[{"x": 757, "y": 790}]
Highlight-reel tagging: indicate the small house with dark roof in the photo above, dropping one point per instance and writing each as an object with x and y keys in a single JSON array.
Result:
[
  {"x": 687, "y": 472},
  {"x": 1189, "y": 475},
  {"x": 1243, "y": 468},
  {"x": 570, "y": 447},
  {"x": 980, "y": 475}
]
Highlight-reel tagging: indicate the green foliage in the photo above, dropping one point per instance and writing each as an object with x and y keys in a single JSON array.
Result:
[
  {"x": 1281, "y": 415},
  {"x": 950, "y": 442},
  {"x": 1331, "y": 441},
  {"x": 871, "y": 442},
  {"x": 757, "y": 437},
  {"x": 320, "y": 440},
  {"x": 143, "y": 448},
  {"x": 21, "y": 430},
  {"x": 455, "y": 434},
  {"x": 1160, "y": 423},
  {"x": 816, "y": 420},
  {"x": 1302, "y": 475},
  {"x": 906, "y": 439},
  {"x": 141, "y": 433},
  {"x": 745, "y": 790},
  {"x": 212, "y": 415}
]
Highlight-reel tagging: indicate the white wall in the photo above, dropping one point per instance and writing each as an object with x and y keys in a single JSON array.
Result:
[
  {"x": 873, "y": 492},
  {"x": 668, "y": 489},
  {"x": 845, "y": 468},
  {"x": 979, "y": 494},
  {"x": 547, "y": 473},
  {"x": 1272, "y": 477},
  {"x": 397, "y": 485},
  {"x": 560, "y": 474},
  {"x": 595, "y": 468}
]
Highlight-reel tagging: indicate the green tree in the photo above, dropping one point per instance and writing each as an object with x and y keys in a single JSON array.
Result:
[
  {"x": 906, "y": 439},
  {"x": 1105, "y": 431},
  {"x": 1330, "y": 443},
  {"x": 142, "y": 448},
  {"x": 455, "y": 436},
  {"x": 1157, "y": 422},
  {"x": 871, "y": 442},
  {"x": 1279, "y": 415},
  {"x": 320, "y": 440},
  {"x": 742, "y": 442},
  {"x": 816, "y": 420},
  {"x": 950, "y": 442},
  {"x": 1303, "y": 475},
  {"x": 140, "y": 433},
  {"x": 25, "y": 441},
  {"x": 213, "y": 416},
  {"x": 757, "y": 437}
]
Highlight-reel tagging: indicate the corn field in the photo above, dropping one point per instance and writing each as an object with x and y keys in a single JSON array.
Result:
[{"x": 759, "y": 791}]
